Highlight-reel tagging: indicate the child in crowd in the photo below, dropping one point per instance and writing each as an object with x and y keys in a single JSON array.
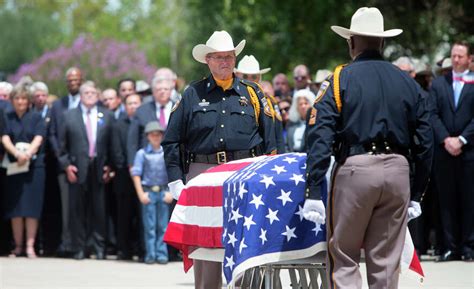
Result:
[{"x": 150, "y": 180}]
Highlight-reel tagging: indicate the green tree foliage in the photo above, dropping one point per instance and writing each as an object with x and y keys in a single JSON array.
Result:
[{"x": 279, "y": 33}]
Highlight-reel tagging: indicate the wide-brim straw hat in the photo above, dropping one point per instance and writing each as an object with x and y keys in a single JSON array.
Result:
[
  {"x": 366, "y": 21},
  {"x": 220, "y": 41}
]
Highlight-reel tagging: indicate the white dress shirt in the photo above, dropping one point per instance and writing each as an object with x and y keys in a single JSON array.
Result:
[
  {"x": 73, "y": 101},
  {"x": 167, "y": 110}
]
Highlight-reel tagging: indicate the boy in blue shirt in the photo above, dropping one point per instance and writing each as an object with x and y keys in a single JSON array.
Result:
[{"x": 150, "y": 179}]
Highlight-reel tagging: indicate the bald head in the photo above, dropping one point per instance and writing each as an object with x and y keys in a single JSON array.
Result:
[
  {"x": 73, "y": 80},
  {"x": 301, "y": 76}
]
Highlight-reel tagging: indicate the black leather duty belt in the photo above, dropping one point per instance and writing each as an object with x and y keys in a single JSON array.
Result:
[
  {"x": 222, "y": 156},
  {"x": 374, "y": 148}
]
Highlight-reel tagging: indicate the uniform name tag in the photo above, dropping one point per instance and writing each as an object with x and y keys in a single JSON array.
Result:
[{"x": 204, "y": 103}]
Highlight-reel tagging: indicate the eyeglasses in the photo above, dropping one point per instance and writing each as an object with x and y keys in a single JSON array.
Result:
[
  {"x": 227, "y": 58},
  {"x": 284, "y": 109},
  {"x": 253, "y": 77}
]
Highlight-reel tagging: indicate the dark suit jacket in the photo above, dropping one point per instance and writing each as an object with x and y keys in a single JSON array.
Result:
[
  {"x": 75, "y": 146},
  {"x": 119, "y": 143},
  {"x": 448, "y": 120},
  {"x": 136, "y": 136},
  {"x": 56, "y": 126}
]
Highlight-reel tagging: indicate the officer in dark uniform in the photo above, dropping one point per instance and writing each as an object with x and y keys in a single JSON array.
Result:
[
  {"x": 374, "y": 117},
  {"x": 219, "y": 119}
]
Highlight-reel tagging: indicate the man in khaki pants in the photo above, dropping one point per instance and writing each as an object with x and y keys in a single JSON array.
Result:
[
  {"x": 371, "y": 115},
  {"x": 219, "y": 119}
]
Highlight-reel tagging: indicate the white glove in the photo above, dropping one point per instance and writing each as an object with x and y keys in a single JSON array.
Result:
[
  {"x": 314, "y": 211},
  {"x": 414, "y": 210},
  {"x": 176, "y": 187}
]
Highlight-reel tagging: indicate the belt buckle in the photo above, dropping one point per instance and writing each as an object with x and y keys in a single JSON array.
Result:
[
  {"x": 221, "y": 157},
  {"x": 155, "y": 189}
]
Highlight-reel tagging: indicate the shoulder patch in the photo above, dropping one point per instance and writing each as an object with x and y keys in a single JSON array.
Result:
[
  {"x": 267, "y": 107},
  {"x": 322, "y": 91},
  {"x": 176, "y": 105},
  {"x": 312, "y": 116}
]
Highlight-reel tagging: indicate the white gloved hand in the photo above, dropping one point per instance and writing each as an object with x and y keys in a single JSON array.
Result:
[
  {"x": 414, "y": 210},
  {"x": 176, "y": 187},
  {"x": 314, "y": 211}
]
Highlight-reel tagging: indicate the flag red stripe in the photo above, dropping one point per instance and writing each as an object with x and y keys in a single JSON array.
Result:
[
  {"x": 192, "y": 235},
  {"x": 415, "y": 264},
  {"x": 228, "y": 167},
  {"x": 202, "y": 197}
]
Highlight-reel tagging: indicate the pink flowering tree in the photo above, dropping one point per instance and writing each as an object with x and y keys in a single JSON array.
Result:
[{"x": 103, "y": 61}]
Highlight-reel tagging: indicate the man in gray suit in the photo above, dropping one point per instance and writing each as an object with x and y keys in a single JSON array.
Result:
[{"x": 84, "y": 157}]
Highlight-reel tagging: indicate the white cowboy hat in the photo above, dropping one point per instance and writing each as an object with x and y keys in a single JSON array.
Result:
[
  {"x": 321, "y": 75},
  {"x": 366, "y": 22},
  {"x": 250, "y": 65},
  {"x": 220, "y": 41}
]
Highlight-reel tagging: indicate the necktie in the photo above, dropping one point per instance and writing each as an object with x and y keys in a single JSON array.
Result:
[
  {"x": 457, "y": 90},
  {"x": 162, "y": 117},
  {"x": 90, "y": 138}
]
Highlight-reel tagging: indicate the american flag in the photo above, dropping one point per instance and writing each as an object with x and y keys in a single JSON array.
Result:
[{"x": 253, "y": 208}]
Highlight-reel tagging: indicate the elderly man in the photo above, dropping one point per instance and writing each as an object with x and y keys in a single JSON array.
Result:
[
  {"x": 166, "y": 73},
  {"x": 452, "y": 99},
  {"x": 219, "y": 119},
  {"x": 281, "y": 86},
  {"x": 157, "y": 110},
  {"x": 60, "y": 106},
  {"x": 405, "y": 64},
  {"x": 302, "y": 77},
  {"x": 370, "y": 112},
  {"x": 5, "y": 90},
  {"x": 85, "y": 159}
]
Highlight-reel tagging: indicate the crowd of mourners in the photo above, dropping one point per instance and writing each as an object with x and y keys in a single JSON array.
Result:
[{"x": 51, "y": 145}]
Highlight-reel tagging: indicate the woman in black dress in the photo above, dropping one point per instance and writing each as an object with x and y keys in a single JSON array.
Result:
[{"x": 24, "y": 191}]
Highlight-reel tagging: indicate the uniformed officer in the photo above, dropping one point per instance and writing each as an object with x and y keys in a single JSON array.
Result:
[
  {"x": 249, "y": 69},
  {"x": 219, "y": 119},
  {"x": 370, "y": 113}
]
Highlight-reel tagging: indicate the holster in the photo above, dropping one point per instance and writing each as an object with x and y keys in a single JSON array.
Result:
[{"x": 185, "y": 158}]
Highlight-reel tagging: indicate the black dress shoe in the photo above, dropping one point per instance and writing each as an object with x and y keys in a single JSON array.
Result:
[
  {"x": 124, "y": 256},
  {"x": 79, "y": 255},
  {"x": 468, "y": 257},
  {"x": 449, "y": 256}
]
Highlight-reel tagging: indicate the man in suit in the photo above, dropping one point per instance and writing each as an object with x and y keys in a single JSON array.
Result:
[
  {"x": 126, "y": 202},
  {"x": 84, "y": 157},
  {"x": 113, "y": 102},
  {"x": 59, "y": 107},
  {"x": 157, "y": 110},
  {"x": 452, "y": 108}
]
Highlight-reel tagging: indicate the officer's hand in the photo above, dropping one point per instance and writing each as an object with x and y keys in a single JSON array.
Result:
[
  {"x": 314, "y": 211},
  {"x": 414, "y": 210},
  {"x": 176, "y": 188}
]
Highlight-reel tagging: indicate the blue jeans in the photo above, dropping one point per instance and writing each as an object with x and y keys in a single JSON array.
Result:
[{"x": 155, "y": 220}]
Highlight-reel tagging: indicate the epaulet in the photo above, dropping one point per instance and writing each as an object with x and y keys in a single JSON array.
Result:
[{"x": 337, "y": 86}]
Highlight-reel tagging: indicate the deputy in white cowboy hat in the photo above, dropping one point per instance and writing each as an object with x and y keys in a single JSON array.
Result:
[
  {"x": 219, "y": 119},
  {"x": 249, "y": 68},
  {"x": 370, "y": 111}
]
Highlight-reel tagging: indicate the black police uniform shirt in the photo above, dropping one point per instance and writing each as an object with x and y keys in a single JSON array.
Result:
[
  {"x": 208, "y": 120},
  {"x": 379, "y": 102}
]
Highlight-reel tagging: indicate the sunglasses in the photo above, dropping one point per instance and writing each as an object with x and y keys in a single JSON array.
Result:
[
  {"x": 300, "y": 78},
  {"x": 285, "y": 109},
  {"x": 252, "y": 77}
]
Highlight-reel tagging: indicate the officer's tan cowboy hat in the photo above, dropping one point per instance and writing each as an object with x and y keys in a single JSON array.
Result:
[
  {"x": 249, "y": 65},
  {"x": 220, "y": 41},
  {"x": 366, "y": 21}
]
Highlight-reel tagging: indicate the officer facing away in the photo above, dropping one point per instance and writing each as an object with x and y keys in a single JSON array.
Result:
[
  {"x": 371, "y": 115},
  {"x": 219, "y": 119}
]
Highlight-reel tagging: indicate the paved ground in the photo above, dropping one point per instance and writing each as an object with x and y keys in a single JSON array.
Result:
[{"x": 51, "y": 273}]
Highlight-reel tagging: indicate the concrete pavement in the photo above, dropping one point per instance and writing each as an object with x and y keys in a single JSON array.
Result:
[{"x": 53, "y": 273}]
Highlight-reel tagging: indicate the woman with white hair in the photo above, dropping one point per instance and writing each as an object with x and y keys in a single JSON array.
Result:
[
  {"x": 302, "y": 101},
  {"x": 5, "y": 90}
]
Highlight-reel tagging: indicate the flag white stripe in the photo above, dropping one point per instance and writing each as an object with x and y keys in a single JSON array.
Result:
[{"x": 199, "y": 216}]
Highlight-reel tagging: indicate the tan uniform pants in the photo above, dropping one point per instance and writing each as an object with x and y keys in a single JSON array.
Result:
[
  {"x": 207, "y": 274},
  {"x": 367, "y": 208}
]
